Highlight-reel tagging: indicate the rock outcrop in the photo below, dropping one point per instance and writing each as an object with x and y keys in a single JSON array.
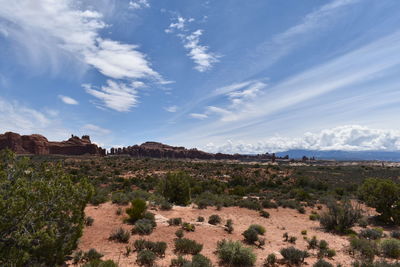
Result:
[
  {"x": 158, "y": 150},
  {"x": 39, "y": 145}
]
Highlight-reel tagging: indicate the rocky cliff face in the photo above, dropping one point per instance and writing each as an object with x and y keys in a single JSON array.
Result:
[
  {"x": 158, "y": 150},
  {"x": 39, "y": 145}
]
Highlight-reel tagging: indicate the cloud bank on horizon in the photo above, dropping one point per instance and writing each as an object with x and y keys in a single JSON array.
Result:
[{"x": 320, "y": 75}]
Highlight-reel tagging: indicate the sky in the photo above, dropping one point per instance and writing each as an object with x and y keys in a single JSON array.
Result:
[{"x": 223, "y": 76}]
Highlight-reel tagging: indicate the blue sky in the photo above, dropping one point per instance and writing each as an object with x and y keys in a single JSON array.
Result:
[{"x": 232, "y": 76}]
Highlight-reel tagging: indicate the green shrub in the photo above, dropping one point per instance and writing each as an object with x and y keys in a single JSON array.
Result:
[
  {"x": 390, "y": 248},
  {"x": 119, "y": 211},
  {"x": 268, "y": 204},
  {"x": 384, "y": 196},
  {"x": 312, "y": 243},
  {"x": 250, "y": 235},
  {"x": 42, "y": 212},
  {"x": 340, "y": 217},
  {"x": 322, "y": 263},
  {"x": 235, "y": 254},
  {"x": 89, "y": 221},
  {"x": 303, "y": 232},
  {"x": 229, "y": 226},
  {"x": 264, "y": 214},
  {"x": 259, "y": 228},
  {"x": 120, "y": 235},
  {"x": 323, "y": 245},
  {"x": 314, "y": 217},
  {"x": 200, "y": 260},
  {"x": 100, "y": 196},
  {"x": 371, "y": 234},
  {"x": 120, "y": 198},
  {"x": 188, "y": 227},
  {"x": 146, "y": 258},
  {"x": 366, "y": 248},
  {"x": 249, "y": 204},
  {"x": 292, "y": 239},
  {"x": 176, "y": 188},
  {"x": 156, "y": 247},
  {"x": 200, "y": 219},
  {"x": 179, "y": 233},
  {"x": 180, "y": 262},
  {"x": 301, "y": 210},
  {"x": 137, "y": 210},
  {"x": 175, "y": 221},
  {"x": 395, "y": 234},
  {"x": 293, "y": 255},
  {"x": 270, "y": 261},
  {"x": 187, "y": 246},
  {"x": 143, "y": 227},
  {"x": 214, "y": 219},
  {"x": 100, "y": 263},
  {"x": 165, "y": 205}
]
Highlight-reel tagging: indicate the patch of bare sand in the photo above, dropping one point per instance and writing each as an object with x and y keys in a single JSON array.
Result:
[{"x": 281, "y": 221}]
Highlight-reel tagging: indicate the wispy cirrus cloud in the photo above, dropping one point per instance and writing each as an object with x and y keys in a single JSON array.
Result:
[
  {"x": 95, "y": 129},
  {"x": 74, "y": 31},
  {"x": 139, "y": 4},
  {"x": 204, "y": 59},
  {"x": 118, "y": 96},
  {"x": 68, "y": 100},
  {"x": 172, "y": 109}
]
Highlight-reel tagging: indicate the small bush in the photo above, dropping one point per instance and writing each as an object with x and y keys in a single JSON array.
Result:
[
  {"x": 156, "y": 247},
  {"x": 330, "y": 253},
  {"x": 372, "y": 234},
  {"x": 235, "y": 254},
  {"x": 188, "y": 227},
  {"x": 366, "y": 248},
  {"x": 137, "y": 210},
  {"x": 89, "y": 221},
  {"x": 301, "y": 210},
  {"x": 340, "y": 217},
  {"x": 187, "y": 246},
  {"x": 249, "y": 204},
  {"x": 312, "y": 243},
  {"x": 143, "y": 227},
  {"x": 146, "y": 258},
  {"x": 322, "y": 263},
  {"x": 214, "y": 219},
  {"x": 314, "y": 217},
  {"x": 250, "y": 235},
  {"x": 200, "y": 260},
  {"x": 292, "y": 239},
  {"x": 395, "y": 234},
  {"x": 268, "y": 204},
  {"x": 200, "y": 219},
  {"x": 179, "y": 233},
  {"x": 175, "y": 221},
  {"x": 180, "y": 262},
  {"x": 264, "y": 214},
  {"x": 91, "y": 255},
  {"x": 119, "y": 211},
  {"x": 323, "y": 245},
  {"x": 229, "y": 226},
  {"x": 259, "y": 228},
  {"x": 120, "y": 235},
  {"x": 363, "y": 222},
  {"x": 270, "y": 260},
  {"x": 304, "y": 232},
  {"x": 390, "y": 248},
  {"x": 165, "y": 205},
  {"x": 293, "y": 255}
]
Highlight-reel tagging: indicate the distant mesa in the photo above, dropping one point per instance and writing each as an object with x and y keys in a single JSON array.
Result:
[
  {"x": 39, "y": 145},
  {"x": 159, "y": 150}
]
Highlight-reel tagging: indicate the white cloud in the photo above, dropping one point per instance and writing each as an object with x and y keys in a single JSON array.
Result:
[
  {"x": 348, "y": 138},
  {"x": 50, "y": 29},
  {"x": 139, "y": 4},
  {"x": 200, "y": 54},
  {"x": 203, "y": 59},
  {"x": 172, "y": 109},
  {"x": 178, "y": 25},
  {"x": 284, "y": 43},
  {"x": 68, "y": 100},
  {"x": 94, "y": 129},
  {"x": 117, "y": 96},
  {"x": 199, "y": 116},
  {"x": 16, "y": 117}
]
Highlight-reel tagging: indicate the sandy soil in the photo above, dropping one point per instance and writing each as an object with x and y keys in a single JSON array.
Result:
[{"x": 281, "y": 221}]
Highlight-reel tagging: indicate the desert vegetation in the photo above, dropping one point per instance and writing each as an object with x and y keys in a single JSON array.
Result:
[{"x": 123, "y": 211}]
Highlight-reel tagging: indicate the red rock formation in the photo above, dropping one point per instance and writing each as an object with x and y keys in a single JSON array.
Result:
[
  {"x": 158, "y": 150},
  {"x": 39, "y": 145}
]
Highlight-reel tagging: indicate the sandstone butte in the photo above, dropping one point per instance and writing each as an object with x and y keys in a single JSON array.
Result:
[{"x": 39, "y": 145}]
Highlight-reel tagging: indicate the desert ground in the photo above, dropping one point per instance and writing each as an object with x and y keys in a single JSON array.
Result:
[{"x": 281, "y": 220}]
